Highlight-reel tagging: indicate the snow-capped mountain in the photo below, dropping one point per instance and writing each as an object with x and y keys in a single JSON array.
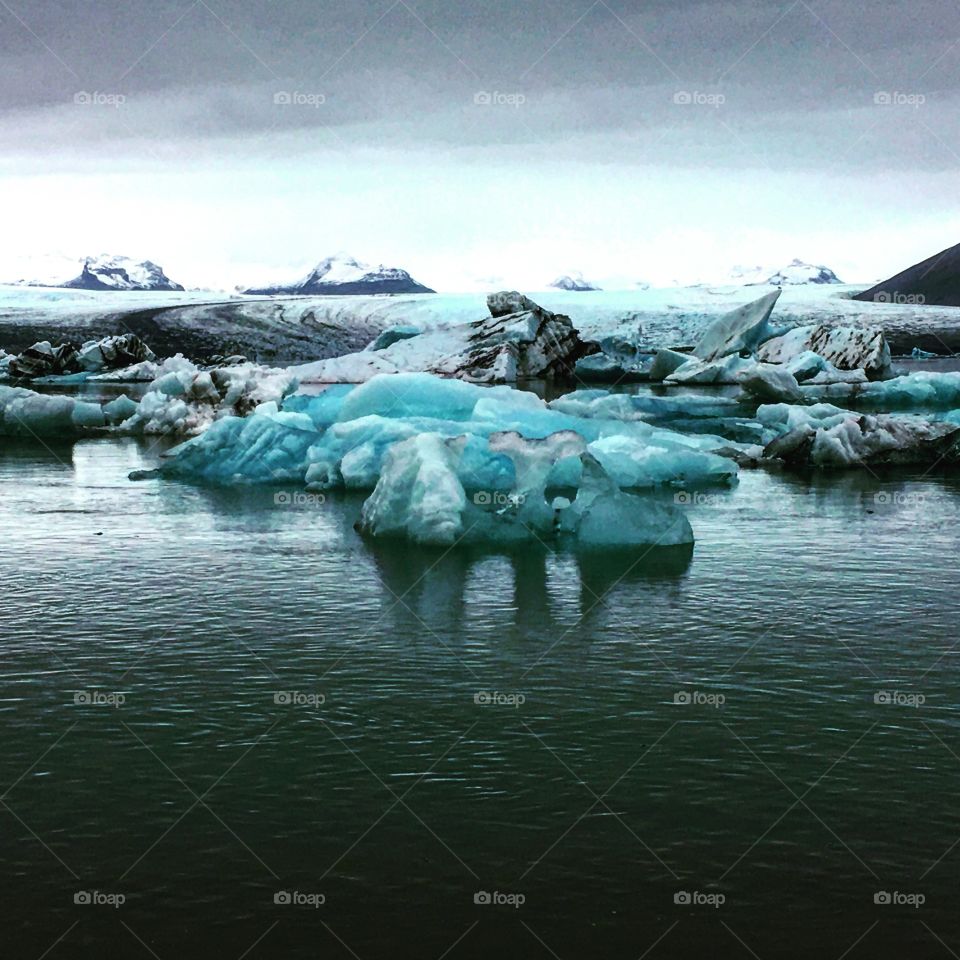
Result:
[
  {"x": 798, "y": 272},
  {"x": 342, "y": 274},
  {"x": 574, "y": 282},
  {"x": 795, "y": 273},
  {"x": 121, "y": 273},
  {"x": 95, "y": 273}
]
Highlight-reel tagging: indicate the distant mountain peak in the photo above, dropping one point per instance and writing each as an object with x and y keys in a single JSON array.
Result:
[
  {"x": 574, "y": 282},
  {"x": 799, "y": 272},
  {"x": 104, "y": 272},
  {"x": 795, "y": 273},
  {"x": 345, "y": 275},
  {"x": 107, "y": 272}
]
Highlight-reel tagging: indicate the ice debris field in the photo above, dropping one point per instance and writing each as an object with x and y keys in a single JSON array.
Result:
[{"x": 449, "y": 450}]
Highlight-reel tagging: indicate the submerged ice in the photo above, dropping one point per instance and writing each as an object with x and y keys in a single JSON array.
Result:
[{"x": 421, "y": 496}]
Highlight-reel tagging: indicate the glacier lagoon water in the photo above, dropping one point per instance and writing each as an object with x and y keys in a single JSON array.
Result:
[{"x": 274, "y": 739}]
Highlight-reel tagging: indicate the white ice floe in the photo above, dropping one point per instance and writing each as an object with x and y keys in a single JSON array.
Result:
[
  {"x": 186, "y": 400},
  {"x": 146, "y": 371},
  {"x": 924, "y": 389},
  {"x": 702, "y": 372},
  {"x": 771, "y": 383},
  {"x": 519, "y": 339},
  {"x": 66, "y": 363},
  {"x": 845, "y": 348},
  {"x": 666, "y": 362},
  {"x": 869, "y": 440},
  {"x": 25, "y": 413},
  {"x": 827, "y": 436},
  {"x": 740, "y": 331}
]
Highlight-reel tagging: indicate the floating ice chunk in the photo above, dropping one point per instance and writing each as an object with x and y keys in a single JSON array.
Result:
[
  {"x": 830, "y": 374},
  {"x": 847, "y": 348},
  {"x": 603, "y": 516},
  {"x": 665, "y": 362},
  {"x": 146, "y": 371},
  {"x": 770, "y": 382},
  {"x": 392, "y": 335},
  {"x": 781, "y": 418},
  {"x": 43, "y": 359},
  {"x": 533, "y": 461},
  {"x": 805, "y": 365},
  {"x": 810, "y": 367},
  {"x": 619, "y": 360},
  {"x": 349, "y": 444},
  {"x": 922, "y": 389},
  {"x": 507, "y": 302},
  {"x": 610, "y": 368},
  {"x": 632, "y": 463},
  {"x": 322, "y": 408},
  {"x": 424, "y": 395},
  {"x": 186, "y": 401},
  {"x": 419, "y": 495},
  {"x": 362, "y": 443},
  {"x": 113, "y": 352},
  {"x": 727, "y": 370},
  {"x": 120, "y": 409},
  {"x": 28, "y": 414},
  {"x": 866, "y": 440},
  {"x": 600, "y": 404},
  {"x": 254, "y": 449},
  {"x": 741, "y": 331},
  {"x": 525, "y": 342}
]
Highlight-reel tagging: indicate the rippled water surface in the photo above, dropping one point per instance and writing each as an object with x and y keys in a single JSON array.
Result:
[{"x": 221, "y": 618}]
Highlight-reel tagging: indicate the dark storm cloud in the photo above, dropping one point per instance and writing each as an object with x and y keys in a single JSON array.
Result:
[
  {"x": 792, "y": 82},
  {"x": 794, "y": 49}
]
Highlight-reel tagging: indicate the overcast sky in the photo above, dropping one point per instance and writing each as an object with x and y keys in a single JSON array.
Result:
[{"x": 481, "y": 143}]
